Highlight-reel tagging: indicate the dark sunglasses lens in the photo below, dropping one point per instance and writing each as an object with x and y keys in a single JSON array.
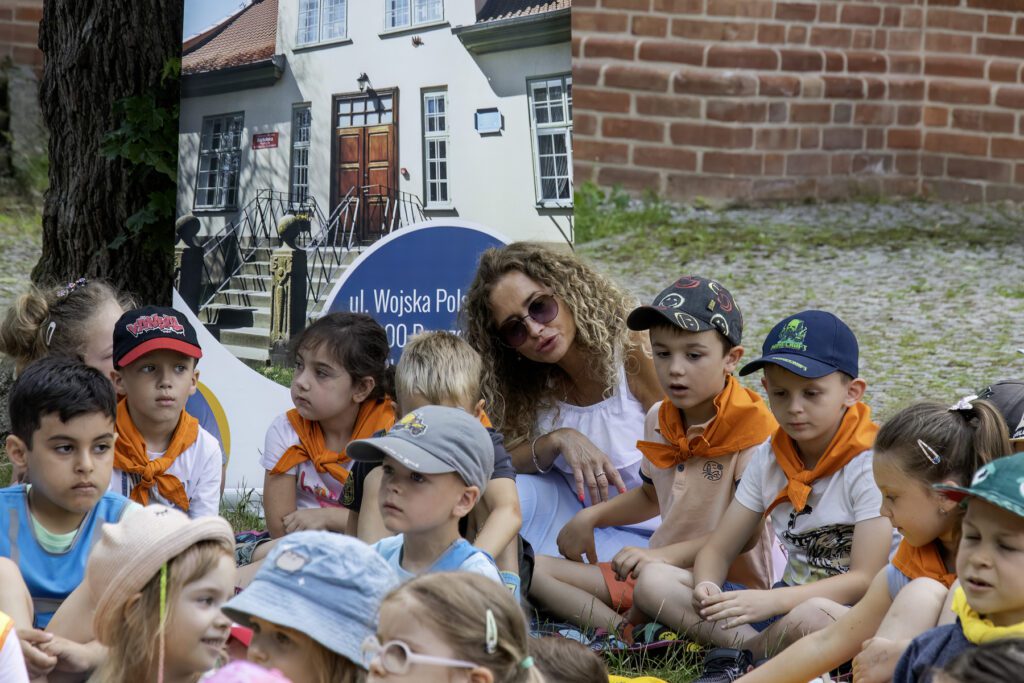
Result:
[
  {"x": 543, "y": 309},
  {"x": 514, "y": 333}
]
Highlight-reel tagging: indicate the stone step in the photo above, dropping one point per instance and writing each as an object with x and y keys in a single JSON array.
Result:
[
  {"x": 250, "y": 337},
  {"x": 254, "y": 358},
  {"x": 241, "y": 297}
]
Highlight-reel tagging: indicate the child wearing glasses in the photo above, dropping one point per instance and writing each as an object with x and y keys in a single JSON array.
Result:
[
  {"x": 699, "y": 439},
  {"x": 311, "y": 605},
  {"x": 440, "y": 622}
]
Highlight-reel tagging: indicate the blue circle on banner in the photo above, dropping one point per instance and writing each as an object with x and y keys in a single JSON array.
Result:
[{"x": 415, "y": 279}]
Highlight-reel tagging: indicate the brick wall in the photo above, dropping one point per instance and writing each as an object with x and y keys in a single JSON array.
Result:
[
  {"x": 765, "y": 99},
  {"x": 19, "y": 32}
]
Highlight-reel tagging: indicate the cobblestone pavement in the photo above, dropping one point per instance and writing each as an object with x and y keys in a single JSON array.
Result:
[
  {"x": 20, "y": 244},
  {"x": 936, "y": 318}
]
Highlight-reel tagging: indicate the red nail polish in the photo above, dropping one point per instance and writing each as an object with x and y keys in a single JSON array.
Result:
[{"x": 581, "y": 497}]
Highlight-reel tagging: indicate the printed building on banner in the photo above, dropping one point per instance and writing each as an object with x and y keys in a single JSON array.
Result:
[{"x": 365, "y": 116}]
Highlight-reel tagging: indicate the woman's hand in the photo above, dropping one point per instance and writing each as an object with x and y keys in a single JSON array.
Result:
[
  {"x": 735, "y": 608},
  {"x": 591, "y": 468}
]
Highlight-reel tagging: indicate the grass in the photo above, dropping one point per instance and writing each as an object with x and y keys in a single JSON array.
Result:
[{"x": 282, "y": 376}]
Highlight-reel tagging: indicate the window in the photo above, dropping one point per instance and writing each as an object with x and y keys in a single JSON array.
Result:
[
  {"x": 220, "y": 155},
  {"x": 299, "y": 190},
  {"x": 405, "y": 13},
  {"x": 551, "y": 117},
  {"x": 366, "y": 110},
  {"x": 435, "y": 148},
  {"x": 321, "y": 20}
]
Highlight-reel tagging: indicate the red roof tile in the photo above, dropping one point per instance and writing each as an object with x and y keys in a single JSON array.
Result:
[
  {"x": 246, "y": 37},
  {"x": 496, "y": 10}
]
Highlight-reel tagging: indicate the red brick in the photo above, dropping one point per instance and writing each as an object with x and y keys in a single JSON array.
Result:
[
  {"x": 810, "y": 113},
  {"x": 827, "y": 14},
  {"x": 872, "y": 163},
  {"x": 583, "y": 172},
  {"x": 840, "y": 164},
  {"x": 906, "y": 89},
  {"x": 724, "y": 56},
  {"x": 835, "y": 60},
  {"x": 684, "y": 186},
  {"x": 912, "y": 18},
  {"x": 1020, "y": 26},
  {"x": 732, "y": 164},
  {"x": 955, "y": 190},
  {"x": 801, "y": 60},
  {"x": 605, "y": 152},
  {"x": 774, "y": 164},
  {"x": 891, "y": 17},
  {"x": 33, "y": 14},
  {"x": 785, "y": 188},
  {"x": 712, "y": 31},
  {"x": 1008, "y": 148},
  {"x": 733, "y": 111},
  {"x": 679, "y": 6},
  {"x": 831, "y": 37},
  {"x": 777, "y": 138},
  {"x": 874, "y": 114},
  {"x": 957, "y": 67},
  {"x": 1018, "y": 176},
  {"x": 956, "y": 143},
  {"x": 601, "y": 99},
  {"x": 998, "y": 23},
  {"x": 577, "y": 46},
  {"x": 632, "y": 128},
  {"x": 796, "y": 35},
  {"x": 998, "y": 5},
  {"x": 629, "y": 178},
  {"x": 861, "y": 14},
  {"x": 1003, "y": 193},
  {"x": 1010, "y": 97},
  {"x": 954, "y": 20},
  {"x": 874, "y": 138},
  {"x": 583, "y": 124},
  {"x": 777, "y": 112},
  {"x": 607, "y": 22},
  {"x": 1001, "y": 47},
  {"x": 585, "y": 74},
  {"x": 842, "y": 138},
  {"x": 984, "y": 121},
  {"x": 586, "y": 3},
  {"x": 771, "y": 33},
  {"x": 810, "y": 138},
  {"x": 1004, "y": 72},
  {"x": 703, "y": 135},
  {"x": 904, "y": 64},
  {"x": 28, "y": 56},
  {"x": 778, "y": 86},
  {"x": 933, "y": 165},
  {"x": 729, "y": 83},
  {"x": 25, "y": 34},
  {"x": 909, "y": 115},
  {"x": 649, "y": 26},
  {"x": 842, "y": 113},
  {"x": 936, "y": 117},
  {"x": 740, "y": 8},
  {"x": 807, "y": 164},
  {"x": 865, "y": 61},
  {"x": 881, "y": 39},
  {"x": 862, "y": 38},
  {"x": 635, "y": 78},
  {"x": 616, "y": 48},
  {"x": 904, "y": 40},
  {"x": 845, "y": 88},
  {"x": 796, "y": 11},
  {"x": 665, "y": 157},
  {"x": 903, "y": 138},
  {"x": 668, "y": 105},
  {"x": 6, "y": 14},
  {"x": 948, "y": 42},
  {"x": 959, "y": 93},
  {"x": 676, "y": 51},
  {"x": 634, "y": 5},
  {"x": 993, "y": 171},
  {"x": 909, "y": 164}
]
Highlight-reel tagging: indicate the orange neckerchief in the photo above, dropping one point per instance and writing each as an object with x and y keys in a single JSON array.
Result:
[
  {"x": 130, "y": 456},
  {"x": 925, "y": 561},
  {"x": 373, "y": 416},
  {"x": 741, "y": 420},
  {"x": 856, "y": 434}
]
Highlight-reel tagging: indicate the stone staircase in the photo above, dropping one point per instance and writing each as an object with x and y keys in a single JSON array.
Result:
[{"x": 239, "y": 315}]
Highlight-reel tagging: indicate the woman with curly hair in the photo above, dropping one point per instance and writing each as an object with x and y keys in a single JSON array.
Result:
[{"x": 567, "y": 385}]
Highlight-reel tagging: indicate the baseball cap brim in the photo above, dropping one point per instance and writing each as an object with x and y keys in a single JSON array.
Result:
[
  {"x": 157, "y": 344},
  {"x": 407, "y": 454},
  {"x": 958, "y": 493},
  {"x": 797, "y": 364},
  {"x": 646, "y": 317}
]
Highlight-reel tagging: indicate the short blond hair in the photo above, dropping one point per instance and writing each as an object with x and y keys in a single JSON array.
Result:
[{"x": 441, "y": 367}]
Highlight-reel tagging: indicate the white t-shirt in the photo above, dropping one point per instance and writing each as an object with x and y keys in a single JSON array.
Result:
[
  {"x": 390, "y": 548},
  {"x": 198, "y": 469},
  {"x": 819, "y": 539},
  {"x": 12, "y": 663},
  {"x": 312, "y": 489}
]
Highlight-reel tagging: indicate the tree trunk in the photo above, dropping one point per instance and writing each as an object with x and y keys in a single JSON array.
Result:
[{"x": 97, "y": 53}]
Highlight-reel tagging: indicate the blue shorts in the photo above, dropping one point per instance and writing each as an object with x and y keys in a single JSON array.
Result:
[{"x": 758, "y": 626}]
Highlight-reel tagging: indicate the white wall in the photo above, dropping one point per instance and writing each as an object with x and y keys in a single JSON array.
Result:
[{"x": 491, "y": 177}]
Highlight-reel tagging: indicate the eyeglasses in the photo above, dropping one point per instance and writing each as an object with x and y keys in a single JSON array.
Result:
[
  {"x": 542, "y": 310},
  {"x": 396, "y": 657}
]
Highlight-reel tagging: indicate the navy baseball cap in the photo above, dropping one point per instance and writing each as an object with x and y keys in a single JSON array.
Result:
[
  {"x": 809, "y": 344},
  {"x": 694, "y": 304},
  {"x": 142, "y": 330}
]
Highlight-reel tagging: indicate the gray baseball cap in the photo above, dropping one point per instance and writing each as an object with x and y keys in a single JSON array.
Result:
[{"x": 434, "y": 440}]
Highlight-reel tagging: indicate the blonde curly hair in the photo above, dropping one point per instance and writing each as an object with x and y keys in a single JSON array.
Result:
[{"x": 515, "y": 387}]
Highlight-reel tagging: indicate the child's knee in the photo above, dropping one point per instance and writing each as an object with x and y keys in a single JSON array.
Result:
[
  {"x": 925, "y": 589},
  {"x": 655, "y": 583},
  {"x": 815, "y": 614}
]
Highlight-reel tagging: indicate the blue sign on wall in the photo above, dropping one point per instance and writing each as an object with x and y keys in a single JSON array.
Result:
[{"x": 415, "y": 279}]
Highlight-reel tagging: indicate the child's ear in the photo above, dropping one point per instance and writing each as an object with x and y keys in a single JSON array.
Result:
[
  {"x": 17, "y": 450},
  {"x": 115, "y": 377},
  {"x": 855, "y": 391},
  {"x": 478, "y": 412},
  {"x": 732, "y": 359},
  {"x": 481, "y": 675},
  {"x": 470, "y": 495},
  {"x": 195, "y": 382},
  {"x": 764, "y": 383},
  {"x": 364, "y": 387}
]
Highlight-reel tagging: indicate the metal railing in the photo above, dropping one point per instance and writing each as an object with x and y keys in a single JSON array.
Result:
[
  {"x": 389, "y": 208},
  {"x": 327, "y": 248}
]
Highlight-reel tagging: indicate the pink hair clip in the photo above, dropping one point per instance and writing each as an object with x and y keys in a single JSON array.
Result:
[{"x": 70, "y": 287}]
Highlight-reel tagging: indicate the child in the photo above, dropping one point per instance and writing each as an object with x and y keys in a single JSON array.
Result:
[
  {"x": 312, "y": 603},
  {"x": 813, "y": 480},
  {"x": 438, "y": 623},
  {"x": 566, "y": 661},
  {"x": 437, "y": 461},
  {"x": 162, "y": 454},
  {"x": 924, "y": 444},
  {"x": 700, "y": 438},
  {"x": 989, "y": 603},
  {"x": 441, "y": 368},
  {"x": 340, "y": 391},
  {"x": 62, "y": 433},
  {"x": 991, "y": 662},
  {"x": 159, "y": 579}
]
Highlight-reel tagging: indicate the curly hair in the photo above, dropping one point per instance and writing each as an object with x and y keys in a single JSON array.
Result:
[{"x": 514, "y": 387}]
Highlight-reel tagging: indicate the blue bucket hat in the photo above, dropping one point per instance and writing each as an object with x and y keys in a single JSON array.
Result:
[{"x": 326, "y": 585}]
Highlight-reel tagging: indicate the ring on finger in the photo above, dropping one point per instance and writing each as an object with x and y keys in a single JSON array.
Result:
[{"x": 601, "y": 474}]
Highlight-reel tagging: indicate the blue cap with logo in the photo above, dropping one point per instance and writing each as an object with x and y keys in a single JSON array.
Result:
[
  {"x": 809, "y": 344},
  {"x": 326, "y": 585}
]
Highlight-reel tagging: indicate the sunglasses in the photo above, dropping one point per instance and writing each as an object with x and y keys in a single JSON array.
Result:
[
  {"x": 396, "y": 657},
  {"x": 542, "y": 310}
]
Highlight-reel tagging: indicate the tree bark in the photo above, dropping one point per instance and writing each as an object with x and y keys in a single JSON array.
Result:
[{"x": 97, "y": 53}]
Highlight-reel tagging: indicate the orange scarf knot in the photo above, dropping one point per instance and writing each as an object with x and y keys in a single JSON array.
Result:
[
  {"x": 855, "y": 435},
  {"x": 741, "y": 420},
  {"x": 923, "y": 562},
  {"x": 130, "y": 456}
]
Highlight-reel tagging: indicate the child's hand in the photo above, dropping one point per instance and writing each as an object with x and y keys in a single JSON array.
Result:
[
  {"x": 32, "y": 640},
  {"x": 311, "y": 519},
  {"x": 877, "y": 660},
  {"x": 701, "y": 594},
  {"x": 576, "y": 539},
  {"x": 630, "y": 560},
  {"x": 74, "y": 657},
  {"x": 735, "y": 608}
]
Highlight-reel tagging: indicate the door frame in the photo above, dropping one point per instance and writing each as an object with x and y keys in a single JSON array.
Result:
[{"x": 393, "y": 180}]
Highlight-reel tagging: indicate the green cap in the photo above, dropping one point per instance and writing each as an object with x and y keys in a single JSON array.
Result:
[{"x": 1000, "y": 482}]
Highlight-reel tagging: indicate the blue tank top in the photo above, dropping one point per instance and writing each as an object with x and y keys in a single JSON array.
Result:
[{"x": 50, "y": 576}]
